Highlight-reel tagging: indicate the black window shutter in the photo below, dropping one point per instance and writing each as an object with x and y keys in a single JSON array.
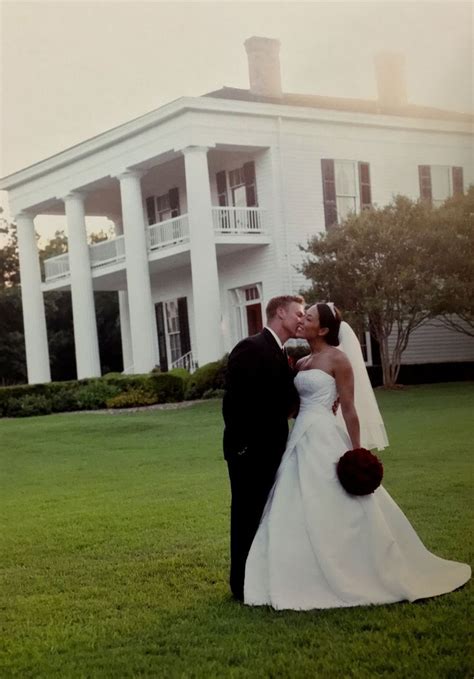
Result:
[
  {"x": 329, "y": 192},
  {"x": 458, "y": 183},
  {"x": 424, "y": 173},
  {"x": 150, "y": 210},
  {"x": 184, "y": 326},
  {"x": 160, "y": 325},
  {"x": 364, "y": 186},
  {"x": 250, "y": 184},
  {"x": 173, "y": 197},
  {"x": 221, "y": 183}
]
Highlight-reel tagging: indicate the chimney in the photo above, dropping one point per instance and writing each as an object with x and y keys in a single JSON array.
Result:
[
  {"x": 390, "y": 74},
  {"x": 264, "y": 66}
]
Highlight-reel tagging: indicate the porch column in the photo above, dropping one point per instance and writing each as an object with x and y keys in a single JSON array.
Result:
[
  {"x": 34, "y": 320},
  {"x": 206, "y": 297},
  {"x": 125, "y": 329},
  {"x": 83, "y": 307},
  {"x": 142, "y": 318}
]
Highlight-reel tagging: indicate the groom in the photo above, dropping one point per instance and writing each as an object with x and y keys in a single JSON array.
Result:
[{"x": 258, "y": 400}]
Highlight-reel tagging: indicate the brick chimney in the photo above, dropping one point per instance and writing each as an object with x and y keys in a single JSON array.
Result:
[
  {"x": 264, "y": 66},
  {"x": 390, "y": 74}
]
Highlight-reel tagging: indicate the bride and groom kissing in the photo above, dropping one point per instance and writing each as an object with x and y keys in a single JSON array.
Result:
[{"x": 298, "y": 539}]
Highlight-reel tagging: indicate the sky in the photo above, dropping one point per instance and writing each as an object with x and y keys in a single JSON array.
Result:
[{"x": 73, "y": 69}]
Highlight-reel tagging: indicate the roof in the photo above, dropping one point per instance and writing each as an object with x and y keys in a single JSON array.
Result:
[{"x": 342, "y": 104}]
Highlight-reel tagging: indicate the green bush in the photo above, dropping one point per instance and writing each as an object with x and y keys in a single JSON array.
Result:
[
  {"x": 180, "y": 372},
  {"x": 134, "y": 398},
  {"x": 93, "y": 396},
  {"x": 209, "y": 377},
  {"x": 64, "y": 401},
  {"x": 31, "y": 404}
]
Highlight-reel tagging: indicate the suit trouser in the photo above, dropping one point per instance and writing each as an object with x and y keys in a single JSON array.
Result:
[{"x": 251, "y": 481}]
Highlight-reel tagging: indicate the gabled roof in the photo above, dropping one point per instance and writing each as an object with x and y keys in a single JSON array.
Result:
[{"x": 342, "y": 104}]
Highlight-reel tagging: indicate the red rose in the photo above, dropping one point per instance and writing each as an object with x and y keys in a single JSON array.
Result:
[{"x": 359, "y": 471}]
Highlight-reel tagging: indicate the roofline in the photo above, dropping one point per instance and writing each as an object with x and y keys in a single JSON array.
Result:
[{"x": 224, "y": 106}]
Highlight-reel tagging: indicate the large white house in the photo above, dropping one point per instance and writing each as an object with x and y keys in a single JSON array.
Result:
[{"x": 211, "y": 196}]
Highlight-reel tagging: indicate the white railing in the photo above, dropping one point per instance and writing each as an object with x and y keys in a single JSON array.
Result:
[
  {"x": 55, "y": 267},
  {"x": 238, "y": 220},
  {"x": 171, "y": 232},
  {"x": 186, "y": 361},
  {"x": 107, "y": 251}
]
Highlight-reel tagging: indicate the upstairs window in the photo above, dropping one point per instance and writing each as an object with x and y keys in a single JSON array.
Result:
[
  {"x": 346, "y": 189},
  {"x": 161, "y": 208},
  {"x": 439, "y": 182},
  {"x": 239, "y": 185}
]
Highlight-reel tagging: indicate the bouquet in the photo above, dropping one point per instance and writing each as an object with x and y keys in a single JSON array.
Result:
[{"x": 359, "y": 471}]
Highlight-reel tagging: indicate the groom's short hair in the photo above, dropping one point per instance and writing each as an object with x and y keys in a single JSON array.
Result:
[{"x": 281, "y": 301}]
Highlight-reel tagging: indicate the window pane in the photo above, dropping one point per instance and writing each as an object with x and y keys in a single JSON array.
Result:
[
  {"x": 440, "y": 183},
  {"x": 345, "y": 178},
  {"x": 172, "y": 316},
  {"x": 344, "y": 207}
]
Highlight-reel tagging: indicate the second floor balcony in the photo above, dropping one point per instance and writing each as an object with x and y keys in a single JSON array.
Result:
[{"x": 234, "y": 228}]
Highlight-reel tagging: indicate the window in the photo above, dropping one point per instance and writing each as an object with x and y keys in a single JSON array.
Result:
[
  {"x": 161, "y": 208},
  {"x": 247, "y": 302},
  {"x": 439, "y": 182},
  {"x": 346, "y": 188},
  {"x": 173, "y": 330},
  {"x": 242, "y": 186}
]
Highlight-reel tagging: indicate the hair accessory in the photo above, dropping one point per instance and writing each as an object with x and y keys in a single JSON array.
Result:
[{"x": 332, "y": 307}]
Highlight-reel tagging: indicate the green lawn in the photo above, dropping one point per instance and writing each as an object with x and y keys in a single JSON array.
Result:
[{"x": 114, "y": 541}]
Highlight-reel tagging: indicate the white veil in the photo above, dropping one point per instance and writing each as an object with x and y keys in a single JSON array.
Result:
[{"x": 372, "y": 428}]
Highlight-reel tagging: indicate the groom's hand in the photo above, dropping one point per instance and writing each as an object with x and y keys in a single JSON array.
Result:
[{"x": 335, "y": 406}]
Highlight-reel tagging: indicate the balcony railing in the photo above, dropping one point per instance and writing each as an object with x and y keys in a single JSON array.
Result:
[
  {"x": 55, "y": 267},
  {"x": 171, "y": 232},
  {"x": 238, "y": 220},
  {"x": 227, "y": 220}
]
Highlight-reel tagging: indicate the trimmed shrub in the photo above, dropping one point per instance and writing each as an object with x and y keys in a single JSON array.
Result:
[
  {"x": 180, "y": 372},
  {"x": 166, "y": 387},
  {"x": 31, "y": 404},
  {"x": 93, "y": 396},
  {"x": 134, "y": 398},
  {"x": 209, "y": 377}
]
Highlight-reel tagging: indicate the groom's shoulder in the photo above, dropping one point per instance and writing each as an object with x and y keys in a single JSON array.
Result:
[{"x": 253, "y": 343}]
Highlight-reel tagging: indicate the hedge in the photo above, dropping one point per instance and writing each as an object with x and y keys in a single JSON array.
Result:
[{"x": 87, "y": 394}]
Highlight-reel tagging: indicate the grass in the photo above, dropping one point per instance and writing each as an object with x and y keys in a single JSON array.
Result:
[{"x": 115, "y": 552}]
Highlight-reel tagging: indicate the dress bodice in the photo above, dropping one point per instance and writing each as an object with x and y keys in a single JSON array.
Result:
[{"x": 315, "y": 387}]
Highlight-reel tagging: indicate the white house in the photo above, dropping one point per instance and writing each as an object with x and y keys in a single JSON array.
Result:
[{"x": 211, "y": 196}]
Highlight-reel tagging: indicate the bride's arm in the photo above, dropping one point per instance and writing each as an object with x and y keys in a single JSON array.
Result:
[{"x": 345, "y": 388}]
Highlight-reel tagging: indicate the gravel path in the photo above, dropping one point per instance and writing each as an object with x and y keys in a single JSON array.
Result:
[{"x": 140, "y": 409}]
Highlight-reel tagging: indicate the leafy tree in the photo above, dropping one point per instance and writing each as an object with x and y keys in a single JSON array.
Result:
[
  {"x": 374, "y": 266},
  {"x": 9, "y": 266},
  {"x": 452, "y": 254}
]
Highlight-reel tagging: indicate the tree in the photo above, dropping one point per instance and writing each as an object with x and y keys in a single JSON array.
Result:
[
  {"x": 374, "y": 266},
  {"x": 9, "y": 265},
  {"x": 452, "y": 251}
]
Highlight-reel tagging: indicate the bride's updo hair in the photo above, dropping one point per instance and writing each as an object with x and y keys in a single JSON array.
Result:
[{"x": 332, "y": 322}]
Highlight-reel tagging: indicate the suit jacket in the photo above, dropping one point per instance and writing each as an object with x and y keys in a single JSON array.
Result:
[{"x": 259, "y": 396}]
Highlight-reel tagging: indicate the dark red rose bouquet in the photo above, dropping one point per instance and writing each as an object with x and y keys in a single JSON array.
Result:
[{"x": 359, "y": 471}]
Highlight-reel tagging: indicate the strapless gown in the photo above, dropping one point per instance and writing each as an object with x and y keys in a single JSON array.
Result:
[{"x": 319, "y": 547}]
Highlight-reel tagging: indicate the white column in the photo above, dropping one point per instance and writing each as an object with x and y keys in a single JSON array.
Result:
[
  {"x": 207, "y": 305},
  {"x": 83, "y": 308},
  {"x": 142, "y": 318},
  {"x": 34, "y": 320}
]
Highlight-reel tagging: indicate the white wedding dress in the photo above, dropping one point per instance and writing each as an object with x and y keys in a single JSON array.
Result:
[{"x": 319, "y": 547}]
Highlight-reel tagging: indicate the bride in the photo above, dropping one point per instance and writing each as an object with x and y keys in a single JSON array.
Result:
[{"x": 317, "y": 546}]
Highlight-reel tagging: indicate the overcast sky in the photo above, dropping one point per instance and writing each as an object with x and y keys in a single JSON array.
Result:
[{"x": 73, "y": 69}]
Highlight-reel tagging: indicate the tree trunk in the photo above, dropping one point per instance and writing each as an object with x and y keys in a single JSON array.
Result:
[{"x": 389, "y": 378}]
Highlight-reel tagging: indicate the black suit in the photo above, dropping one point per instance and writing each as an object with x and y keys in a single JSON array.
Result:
[{"x": 258, "y": 399}]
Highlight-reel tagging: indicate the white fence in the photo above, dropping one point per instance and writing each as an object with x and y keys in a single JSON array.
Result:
[
  {"x": 238, "y": 220},
  {"x": 171, "y": 232},
  {"x": 55, "y": 267},
  {"x": 107, "y": 251}
]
